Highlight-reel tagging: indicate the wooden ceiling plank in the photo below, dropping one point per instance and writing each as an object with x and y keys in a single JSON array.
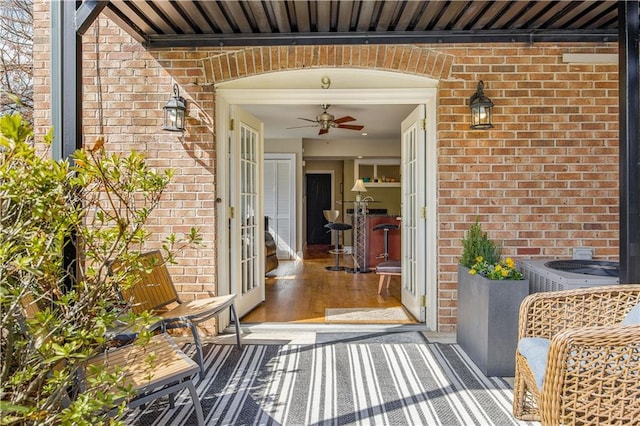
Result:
[
  {"x": 450, "y": 14},
  {"x": 197, "y": 15},
  {"x": 237, "y": 15},
  {"x": 324, "y": 16},
  {"x": 608, "y": 21},
  {"x": 531, "y": 13},
  {"x": 217, "y": 16},
  {"x": 568, "y": 15},
  {"x": 386, "y": 15},
  {"x": 176, "y": 15},
  {"x": 506, "y": 19},
  {"x": 408, "y": 15},
  {"x": 601, "y": 12},
  {"x": 314, "y": 21},
  {"x": 124, "y": 22},
  {"x": 549, "y": 11},
  {"x": 427, "y": 20},
  {"x": 281, "y": 16},
  {"x": 470, "y": 15},
  {"x": 492, "y": 14},
  {"x": 151, "y": 14},
  {"x": 128, "y": 11},
  {"x": 365, "y": 15},
  {"x": 345, "y": 11},
  {"x": 260, "y": 16},
  {"x": 302, "y": 16}
]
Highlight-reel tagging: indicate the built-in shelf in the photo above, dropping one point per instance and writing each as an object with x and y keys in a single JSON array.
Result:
[{"x": 382, "y": 169}]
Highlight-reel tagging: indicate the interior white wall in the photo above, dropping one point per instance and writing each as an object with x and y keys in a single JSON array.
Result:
[{"x": 351, "y": 148}]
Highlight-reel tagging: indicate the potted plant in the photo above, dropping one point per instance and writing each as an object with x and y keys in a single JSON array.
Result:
[{"x": 490, "y": 291}]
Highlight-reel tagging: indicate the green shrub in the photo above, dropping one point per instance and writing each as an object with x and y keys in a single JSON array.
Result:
[
  {"x": 94, "y": 210},
  {"x": 476, "y": 243}
]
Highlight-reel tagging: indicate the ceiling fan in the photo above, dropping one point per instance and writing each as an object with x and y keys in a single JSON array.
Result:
[{"x": 326, "y": 121}]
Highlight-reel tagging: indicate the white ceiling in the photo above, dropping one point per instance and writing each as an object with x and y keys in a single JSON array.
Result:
[{"x": 381, "y": 122}]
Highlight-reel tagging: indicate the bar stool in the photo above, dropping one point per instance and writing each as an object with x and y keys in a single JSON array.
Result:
[
  {"x": 337, "y": 227},
  {"x": 331, "y": 215},
  {"x": 386, "y": 270},
  {"x": 385, "y": 227}
]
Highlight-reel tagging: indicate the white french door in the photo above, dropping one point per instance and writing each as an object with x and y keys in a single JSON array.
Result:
[
  {"x": 246, "y": 218},
  {"x": 414, "y": 212}
]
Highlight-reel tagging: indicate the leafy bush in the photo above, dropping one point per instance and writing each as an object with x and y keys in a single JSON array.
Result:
[
  {"x": 61, "y": 226},
  {"x": 476, "y": 244}
]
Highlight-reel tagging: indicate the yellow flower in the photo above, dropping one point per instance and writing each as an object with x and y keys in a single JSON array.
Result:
[
  {"x": 472, "y": 271},
  {"x": 479, "y": 259},
  {"x": 498, "y": 268},
  {"x": 510, "y": 262},
  {"x": 505, "y": 272}
]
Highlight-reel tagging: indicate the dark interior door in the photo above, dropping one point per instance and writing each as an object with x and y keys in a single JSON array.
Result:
[{"x": 318, "y": 199}]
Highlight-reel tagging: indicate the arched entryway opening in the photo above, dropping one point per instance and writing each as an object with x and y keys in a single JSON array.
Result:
[{"x": 348, "y": 86}]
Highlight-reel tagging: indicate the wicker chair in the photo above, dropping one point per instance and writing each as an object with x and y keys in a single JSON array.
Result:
[{"x": 592, "y": 372}]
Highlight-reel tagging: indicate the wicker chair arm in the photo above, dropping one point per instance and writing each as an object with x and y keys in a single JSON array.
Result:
[
  {"x": 548, "y": 313},
  {"x": 592, "y": 376}
]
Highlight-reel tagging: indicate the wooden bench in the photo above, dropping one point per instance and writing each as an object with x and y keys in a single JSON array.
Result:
[
  {"x": 155, "y": 292},
  {"x": 386, "y": 270},
  {"x": 155, "y": 369}
]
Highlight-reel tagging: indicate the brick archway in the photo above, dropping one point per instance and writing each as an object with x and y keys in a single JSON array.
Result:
[{"x": 413, "y": 60}]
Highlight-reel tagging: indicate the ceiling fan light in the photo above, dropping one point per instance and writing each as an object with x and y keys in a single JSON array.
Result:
[{"x": 325, "y": 116}]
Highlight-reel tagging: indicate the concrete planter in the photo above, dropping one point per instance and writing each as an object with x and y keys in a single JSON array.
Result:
[{"x": 488, "y": 321}]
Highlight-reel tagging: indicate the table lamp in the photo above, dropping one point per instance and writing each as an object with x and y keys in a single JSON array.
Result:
[{"x": 359, "y": 187}]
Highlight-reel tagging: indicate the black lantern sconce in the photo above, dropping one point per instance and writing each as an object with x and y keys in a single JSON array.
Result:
[
  {"x": 481, "y": 109},
  {"x": 174, "y": 112}
]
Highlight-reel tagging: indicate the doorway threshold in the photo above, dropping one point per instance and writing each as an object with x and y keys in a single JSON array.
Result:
[
  {"x": 329, "y": 328},
  {"x": 310, "y": 333}
]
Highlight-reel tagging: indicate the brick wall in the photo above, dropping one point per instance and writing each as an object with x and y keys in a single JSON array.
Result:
[
  {"x": 544, "y": 180},
  {"x": 125, "y": 89}
]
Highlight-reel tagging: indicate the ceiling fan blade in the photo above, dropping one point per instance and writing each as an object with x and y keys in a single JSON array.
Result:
[
  {"x": 323, "y": 131},
  {"x": 350, "y": 126},
  {"x": 344, "y": 119},
  {"x": 300, "y": 127},
  {"x": 307, "y": 119}
]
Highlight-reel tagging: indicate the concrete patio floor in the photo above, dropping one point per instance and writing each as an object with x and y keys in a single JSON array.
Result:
[{"x": 305, "y": 334}]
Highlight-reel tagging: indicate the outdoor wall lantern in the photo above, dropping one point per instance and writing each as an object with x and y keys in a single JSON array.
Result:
[
  {"x": 481, "y": 109},
  {"x": 174, "y": 112}
]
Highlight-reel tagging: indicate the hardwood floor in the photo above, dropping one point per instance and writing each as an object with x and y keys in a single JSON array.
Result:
[{"x": 300, "y": 291}]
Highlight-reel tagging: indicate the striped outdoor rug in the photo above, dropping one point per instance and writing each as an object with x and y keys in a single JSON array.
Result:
[{"x": 339, "y": 383}]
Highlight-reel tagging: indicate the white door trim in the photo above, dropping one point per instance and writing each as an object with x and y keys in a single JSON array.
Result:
[
  {"x": 432, "y": 215},
  {"x": 426, "y": 95},
  {"x": 223, "y": 282}
]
